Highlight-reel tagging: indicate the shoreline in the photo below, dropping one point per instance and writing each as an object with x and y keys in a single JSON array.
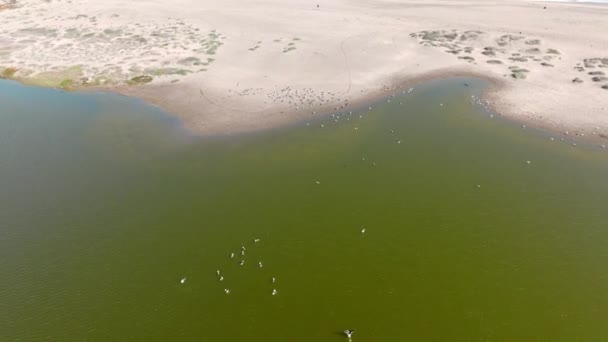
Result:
[
  {"x": 489, "y": 96},
  {"x": 233, "y": 67}
]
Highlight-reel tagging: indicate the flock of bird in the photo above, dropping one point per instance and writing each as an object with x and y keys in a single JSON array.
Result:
[
  {"x": 298, "y": 99},
  {"x": 241, "y": 262},
  {"x": 486, "y": 106},
  {"x": 305, "y": 98}
]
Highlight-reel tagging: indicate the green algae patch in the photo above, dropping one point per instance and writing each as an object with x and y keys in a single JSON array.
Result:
[
  {"x": 138, "y": 80},
  {"x": 67, "y": 84},
  {"x": 8, "y": 72},
  {"x": 56, "y": 79}
]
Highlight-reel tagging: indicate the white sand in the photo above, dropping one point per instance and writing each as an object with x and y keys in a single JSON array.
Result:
[{"x": 345, "y": 51}]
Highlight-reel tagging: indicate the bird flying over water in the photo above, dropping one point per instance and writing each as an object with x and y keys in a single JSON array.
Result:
[{"x": 349, "y": 333}]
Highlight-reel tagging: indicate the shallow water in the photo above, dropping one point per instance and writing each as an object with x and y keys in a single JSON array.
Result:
[{"x": 106, "y": 204}]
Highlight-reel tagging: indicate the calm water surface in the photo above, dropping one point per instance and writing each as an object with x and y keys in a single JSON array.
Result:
[{"x": 106, "y": 204}]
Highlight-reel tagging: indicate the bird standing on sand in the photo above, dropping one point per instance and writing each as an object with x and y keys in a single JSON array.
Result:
[{"x": 349, "y": 333}]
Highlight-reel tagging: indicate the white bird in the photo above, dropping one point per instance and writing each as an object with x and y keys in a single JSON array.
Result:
[
  {"x": 260, "y": 264},
  {"x": 528, "y": 162},
  {"x": 349, "y": 333},
  {"x": 243, "y": 248},
  {"x": 221, "y": 278},
  {"x": 363, "y": 231},
  {"x": 183, "y": 280},
  {"x": 256, "y": 240},
  {"x": 231, "y": 255},
  {"x": 217, "y": 272},
  {"x": 274, "y": 292},
  {"x": 242, "y": 262},
  {"x": 227, "y": 291},
  {"x": 274, "y": 280},
  {"x": 243, "y": 253},
  {"x": 317, "y": 182}
]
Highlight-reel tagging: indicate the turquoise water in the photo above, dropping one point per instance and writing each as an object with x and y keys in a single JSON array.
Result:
[{"x": 107, "y": 204}]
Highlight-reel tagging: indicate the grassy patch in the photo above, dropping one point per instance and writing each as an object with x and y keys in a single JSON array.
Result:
[
  {"x": 9, "y": 72},
  {"x": 67, "y": 84},
  {"x": 166, "y": 71},
  {"x": 138, "y": 80}
]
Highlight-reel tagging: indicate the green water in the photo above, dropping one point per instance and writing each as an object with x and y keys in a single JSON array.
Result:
[{"x": 106, "y": 203}]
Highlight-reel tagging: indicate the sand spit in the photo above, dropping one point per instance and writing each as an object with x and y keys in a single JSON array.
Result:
[{"x": 237, "y": 66}]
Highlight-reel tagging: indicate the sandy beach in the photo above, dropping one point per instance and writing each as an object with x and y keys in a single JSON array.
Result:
[{"x": 237, "y": 66}]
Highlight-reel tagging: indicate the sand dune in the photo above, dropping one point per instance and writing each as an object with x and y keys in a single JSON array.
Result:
[{"x": 236, "y": 66}]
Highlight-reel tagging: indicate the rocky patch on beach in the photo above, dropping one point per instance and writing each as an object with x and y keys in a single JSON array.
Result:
[
  {"x": 513, "y": 52},
  {"x": 595, "y": 69}
]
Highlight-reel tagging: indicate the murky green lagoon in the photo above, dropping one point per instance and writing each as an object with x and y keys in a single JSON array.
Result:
[{"x": 475, "y": 229}]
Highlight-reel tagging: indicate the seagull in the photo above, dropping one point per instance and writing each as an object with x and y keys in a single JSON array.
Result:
[
  {"x": 256, "y": 240},
  {"x": 274, "y": 292},
  {"x": 274, "y": 280},
  {"x": 260, "y": 264},
  {"x": 227, "y": 291},
  {"x": 242, "y": 262},
  {"x": 231, "y": 255},
  {"x": 349, "y": 333},
  {"x": 221, "y": 278},
  {"x": 243, "y": 253},
  {"x": 217, "y": 272},
  {"x": 183, "y": 280}
]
